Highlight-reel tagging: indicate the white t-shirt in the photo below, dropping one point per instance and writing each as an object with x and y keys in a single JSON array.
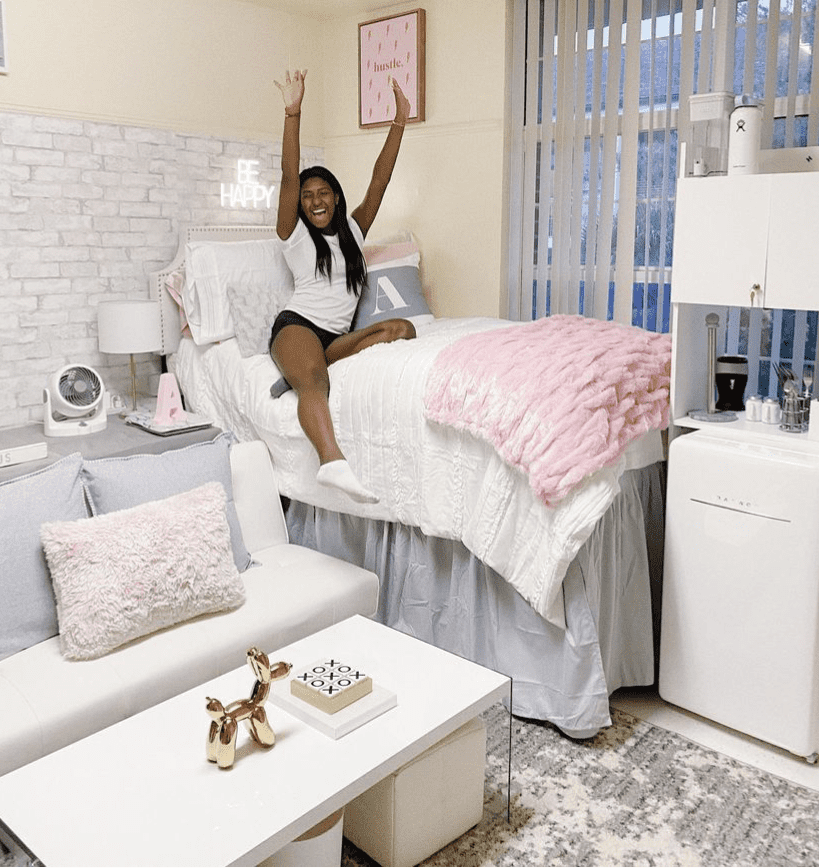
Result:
[{"x": 325, "y": 303}]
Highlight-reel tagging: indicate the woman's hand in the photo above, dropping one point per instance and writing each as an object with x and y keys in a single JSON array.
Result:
[
  {"x": 402, "y": 105},
  {"x": 292, "y": 91}
]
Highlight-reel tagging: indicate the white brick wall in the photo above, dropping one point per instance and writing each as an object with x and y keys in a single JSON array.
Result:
[{"x": 87, "y": 212}]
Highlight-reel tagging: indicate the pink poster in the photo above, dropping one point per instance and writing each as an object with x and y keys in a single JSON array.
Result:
[{"x": 387, "y": 48}]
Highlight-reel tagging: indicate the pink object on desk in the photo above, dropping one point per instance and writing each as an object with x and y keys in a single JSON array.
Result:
[{"x": 169, "y": 409}]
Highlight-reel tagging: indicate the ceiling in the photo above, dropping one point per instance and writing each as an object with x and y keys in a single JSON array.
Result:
[{"x": 327, "y": 8}]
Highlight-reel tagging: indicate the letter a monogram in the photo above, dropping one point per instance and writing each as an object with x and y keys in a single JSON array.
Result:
[{"x": 386, "y": 290}]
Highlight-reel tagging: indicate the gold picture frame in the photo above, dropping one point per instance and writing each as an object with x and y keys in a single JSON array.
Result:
[
  {"x": 4, "y": 66},
  {"x": 392, "y": 46}
]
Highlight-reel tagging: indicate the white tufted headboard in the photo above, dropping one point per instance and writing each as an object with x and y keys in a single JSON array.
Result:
[{"x": 169, "y": 312}]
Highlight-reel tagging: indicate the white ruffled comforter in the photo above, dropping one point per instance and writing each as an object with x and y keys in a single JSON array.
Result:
[{"x": 448, "y": 483}]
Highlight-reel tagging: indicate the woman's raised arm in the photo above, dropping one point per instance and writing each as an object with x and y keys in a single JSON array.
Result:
[
  {"x": 365, "y": 213},
  {"x": 292, "y": 93}
]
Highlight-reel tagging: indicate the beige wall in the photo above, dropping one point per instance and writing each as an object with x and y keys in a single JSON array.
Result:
[
  {"x": 200, "y": 66},
  {"x": 207, "y": 67},
  {"x": 448, "y": 187}
]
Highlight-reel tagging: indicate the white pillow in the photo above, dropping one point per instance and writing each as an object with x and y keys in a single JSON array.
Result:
[
  {"x": 255, "y": 267},
  {"x": 129, "y": 573}
]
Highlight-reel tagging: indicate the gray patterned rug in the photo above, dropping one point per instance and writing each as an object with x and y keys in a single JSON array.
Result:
[{"x": 633, "y": 795}]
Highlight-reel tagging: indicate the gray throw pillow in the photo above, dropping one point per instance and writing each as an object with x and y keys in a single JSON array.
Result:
[
  {"x": 28, "y": 612},
  {"x": 254, "y": 308},
  {"x": 393, "y": 290},
  {"x": 123, "y": 482}
]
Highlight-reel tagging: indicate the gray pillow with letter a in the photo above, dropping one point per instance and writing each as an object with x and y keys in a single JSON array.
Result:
[{"x": 393, "y": 290}]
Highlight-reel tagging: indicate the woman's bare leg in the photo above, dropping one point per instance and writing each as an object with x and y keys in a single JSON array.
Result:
[
  {"x": 353, "y": 342},
  {"x": 379, "y": 333},
  {"x": 298, "y": 353},
  {"x": 300, "y": 357}
]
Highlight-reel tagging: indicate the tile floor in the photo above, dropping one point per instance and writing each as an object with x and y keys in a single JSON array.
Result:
[{"x": 646, "y": 704}]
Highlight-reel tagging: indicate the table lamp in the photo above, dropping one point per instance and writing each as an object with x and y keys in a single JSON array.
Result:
[{"x": 129, "y": 327}]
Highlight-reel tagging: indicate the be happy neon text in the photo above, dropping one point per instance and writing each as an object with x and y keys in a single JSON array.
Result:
[{"x": 246, "y": 191}]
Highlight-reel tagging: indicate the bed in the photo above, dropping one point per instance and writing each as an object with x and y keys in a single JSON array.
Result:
[{"x": 482, "y": 547}]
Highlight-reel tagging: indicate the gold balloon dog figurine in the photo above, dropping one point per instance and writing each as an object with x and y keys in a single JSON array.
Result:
[{"x": 225, "y": 724}]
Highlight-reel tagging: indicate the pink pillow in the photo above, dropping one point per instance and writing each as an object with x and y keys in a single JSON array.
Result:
[{"x": 128, "y": 573}]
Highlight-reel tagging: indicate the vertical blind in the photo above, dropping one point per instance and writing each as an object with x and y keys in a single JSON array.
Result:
[{"x": 603, "y": 106}]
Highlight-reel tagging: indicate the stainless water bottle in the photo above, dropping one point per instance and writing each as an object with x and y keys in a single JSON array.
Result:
[{"x": 744, "y": 135}]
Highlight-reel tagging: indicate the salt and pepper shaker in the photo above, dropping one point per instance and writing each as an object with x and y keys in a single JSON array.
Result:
[
  {"x": 753, "y": 409},
  {"x": 771, "y": 411},
  {"x": 813, "y": 427}
]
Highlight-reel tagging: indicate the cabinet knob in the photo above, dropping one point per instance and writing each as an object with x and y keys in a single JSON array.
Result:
[{"x": 756, "y": 289}]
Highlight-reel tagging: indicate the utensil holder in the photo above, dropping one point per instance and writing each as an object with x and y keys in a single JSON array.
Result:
[{"x": 793, "y": 414}]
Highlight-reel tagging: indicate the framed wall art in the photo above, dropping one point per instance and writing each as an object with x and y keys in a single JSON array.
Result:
[
  {"x": 3, "y": 62},
  {"x": 391, "y": 47}
]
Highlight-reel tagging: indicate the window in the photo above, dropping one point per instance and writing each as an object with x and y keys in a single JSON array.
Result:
[
  {"x": 602, "y": 85},
  {"x": 603, "y": 106}
]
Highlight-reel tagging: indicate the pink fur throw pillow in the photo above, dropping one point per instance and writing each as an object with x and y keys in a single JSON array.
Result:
[{"x": 129, "y": 573}]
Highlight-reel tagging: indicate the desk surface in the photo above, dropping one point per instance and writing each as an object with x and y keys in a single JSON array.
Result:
[
  {"x": 117, "y": 438},
  {"x": 143, "y": 793}
]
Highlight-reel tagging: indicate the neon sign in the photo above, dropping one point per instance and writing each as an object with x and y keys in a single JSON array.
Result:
[{"x": 246, "y": 191}]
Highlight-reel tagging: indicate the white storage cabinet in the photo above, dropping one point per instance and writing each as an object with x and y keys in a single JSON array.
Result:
[
  {"x": 740, "y": 615},
  {"x": 736, "y": 232}
]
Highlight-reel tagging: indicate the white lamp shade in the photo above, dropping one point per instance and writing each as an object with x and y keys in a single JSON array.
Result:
[{"x": 129, "y": 327}]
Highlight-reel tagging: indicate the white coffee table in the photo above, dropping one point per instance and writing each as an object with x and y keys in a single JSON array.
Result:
[{"x": 142, "y": 792}]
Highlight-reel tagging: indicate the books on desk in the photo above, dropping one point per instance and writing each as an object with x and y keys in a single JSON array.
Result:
[
  {"x": 22, "y": 454},
  {"x": 191, "y": 422}
]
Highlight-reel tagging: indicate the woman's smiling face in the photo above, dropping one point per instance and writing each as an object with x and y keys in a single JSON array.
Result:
[{"x": 318, "y": 201}]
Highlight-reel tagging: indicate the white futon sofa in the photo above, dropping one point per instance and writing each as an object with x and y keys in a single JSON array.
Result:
[{"x": 49, "y": 701}]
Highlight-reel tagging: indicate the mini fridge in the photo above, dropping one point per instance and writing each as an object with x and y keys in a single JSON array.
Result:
[{"x": 740, "y": 614}]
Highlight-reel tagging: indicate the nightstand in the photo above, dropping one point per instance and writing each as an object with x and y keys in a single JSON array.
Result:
[{"x": 117, "y": 439}]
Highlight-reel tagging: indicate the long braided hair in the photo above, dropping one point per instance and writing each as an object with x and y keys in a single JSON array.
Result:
[{"x": 353, "y": 257}]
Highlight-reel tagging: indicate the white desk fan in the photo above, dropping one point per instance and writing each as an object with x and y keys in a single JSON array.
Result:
[{"x": 74, "y": 402}]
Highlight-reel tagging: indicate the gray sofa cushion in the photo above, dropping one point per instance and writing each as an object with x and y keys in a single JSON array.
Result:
[
  {"x": 123, "y": 482},
  {"x": 28, "y": 613}
]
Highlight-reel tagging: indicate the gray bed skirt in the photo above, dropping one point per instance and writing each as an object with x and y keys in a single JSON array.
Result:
[{"x": 437, "y": 591}]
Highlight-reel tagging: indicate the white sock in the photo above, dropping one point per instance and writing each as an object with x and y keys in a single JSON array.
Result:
[{"x": 339, "y": 474}]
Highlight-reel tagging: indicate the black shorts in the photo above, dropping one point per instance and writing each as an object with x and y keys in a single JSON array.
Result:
[{"x": 290, "y": 317}]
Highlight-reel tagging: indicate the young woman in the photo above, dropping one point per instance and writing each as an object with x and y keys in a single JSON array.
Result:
[{"x": 322, "y": 247}]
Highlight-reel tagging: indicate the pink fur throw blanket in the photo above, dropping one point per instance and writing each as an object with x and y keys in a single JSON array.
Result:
[{"x": 558, "y": 398}]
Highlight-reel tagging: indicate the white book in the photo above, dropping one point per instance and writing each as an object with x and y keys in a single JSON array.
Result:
[
  {"x": 343, "y": 721},
  {"x": 21, "y": 454}
]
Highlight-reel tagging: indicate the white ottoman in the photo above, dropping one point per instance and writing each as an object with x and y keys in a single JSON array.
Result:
[
  {"x": 426, "y": 804},
  {"x": 319, "y": 846}
]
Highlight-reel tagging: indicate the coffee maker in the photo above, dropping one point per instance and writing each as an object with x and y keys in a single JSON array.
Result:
[{"x": 731, "y": 375}]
